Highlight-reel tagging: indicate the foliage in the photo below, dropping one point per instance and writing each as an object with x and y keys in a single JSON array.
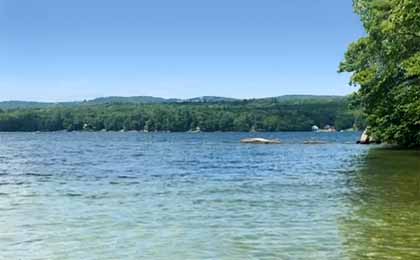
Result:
[
  {"x": 386, "y": 65},
  {"x": 260, "y": 115}
]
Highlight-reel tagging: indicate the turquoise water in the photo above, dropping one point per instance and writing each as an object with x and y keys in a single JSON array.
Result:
[{"x": 205, "y": 196}]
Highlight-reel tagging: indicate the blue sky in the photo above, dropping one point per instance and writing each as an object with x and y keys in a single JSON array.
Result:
[{"x": 80, "y": 49}]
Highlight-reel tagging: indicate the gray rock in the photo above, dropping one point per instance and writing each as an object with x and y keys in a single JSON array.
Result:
[
  {"x": 366, "y": 138},
  {"x": 259, "y": 141},
  {"x": 314, "y": 142}
]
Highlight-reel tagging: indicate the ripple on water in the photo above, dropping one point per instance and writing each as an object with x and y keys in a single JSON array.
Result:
[
  {"x": 38, "y": 174},
  {"x": 203, "y": 196}
]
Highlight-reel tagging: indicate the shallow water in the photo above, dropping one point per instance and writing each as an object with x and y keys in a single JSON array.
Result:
[{"x": 205, "y": 196}]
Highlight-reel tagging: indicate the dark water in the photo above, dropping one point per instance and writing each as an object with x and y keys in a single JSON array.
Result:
[{"x": 205, "y": 196}]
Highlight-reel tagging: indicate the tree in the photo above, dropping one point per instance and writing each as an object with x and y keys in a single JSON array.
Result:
[
  {"x": 386, "y": 65},
  {"x": 260, "y": 115}
]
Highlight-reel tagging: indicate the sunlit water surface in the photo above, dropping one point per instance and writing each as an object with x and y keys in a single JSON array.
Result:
[{"x": 205, "y": 196}]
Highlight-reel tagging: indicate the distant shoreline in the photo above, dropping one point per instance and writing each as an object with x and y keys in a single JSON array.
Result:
[
  {"x": 175, "y": 132},
  {"x": 289, "y": 114}
]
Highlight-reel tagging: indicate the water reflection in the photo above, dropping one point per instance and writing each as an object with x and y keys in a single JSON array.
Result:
[{"x": 384, "y": 207}]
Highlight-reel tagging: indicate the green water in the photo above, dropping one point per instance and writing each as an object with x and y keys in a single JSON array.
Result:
[
  {"x": 70, "y": 196},
  {"x": 384, "y": 220}
]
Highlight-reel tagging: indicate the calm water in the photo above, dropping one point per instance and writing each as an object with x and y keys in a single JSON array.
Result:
[{"x": 205, "y": 196}]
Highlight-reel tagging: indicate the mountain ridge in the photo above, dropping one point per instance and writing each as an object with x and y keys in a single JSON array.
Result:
[{"x": 17, "y": 104}]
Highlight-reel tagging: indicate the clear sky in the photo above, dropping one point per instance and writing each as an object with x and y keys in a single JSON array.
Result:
[{"x": 55, "y": 50}]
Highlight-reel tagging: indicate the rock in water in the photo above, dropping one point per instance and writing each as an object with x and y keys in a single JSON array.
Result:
[
  {"x": 314, "y": 142},
  {"x": 365, "y": 138},
  {"x": 259, "y": 141}
]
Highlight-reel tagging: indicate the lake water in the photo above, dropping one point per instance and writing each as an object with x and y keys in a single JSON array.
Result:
[{"x": 205, "y": 196}]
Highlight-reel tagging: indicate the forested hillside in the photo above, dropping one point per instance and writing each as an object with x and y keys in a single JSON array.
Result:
[{"x": 271, "y": 114}]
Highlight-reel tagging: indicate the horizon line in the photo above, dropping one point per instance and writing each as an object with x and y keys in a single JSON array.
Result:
[{"x": 165, "y": 98}]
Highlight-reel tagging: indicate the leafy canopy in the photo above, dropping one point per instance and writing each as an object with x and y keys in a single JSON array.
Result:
[
  {"x": 386, "y": 65},
  {"x": 260, "y": 115}
]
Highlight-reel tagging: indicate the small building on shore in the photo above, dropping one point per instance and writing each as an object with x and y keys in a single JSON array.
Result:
[
  {"x": 329, "y": 128},
  {"x": 326, "y": 129}
]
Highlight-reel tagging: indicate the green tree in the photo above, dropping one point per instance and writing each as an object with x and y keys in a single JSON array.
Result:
[
  {"x": 386, "y": 65},
  {"x": 261, "y": 115}
]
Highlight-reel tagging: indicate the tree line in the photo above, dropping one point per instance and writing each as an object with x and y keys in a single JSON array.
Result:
[{"x": 267, "y": 115}]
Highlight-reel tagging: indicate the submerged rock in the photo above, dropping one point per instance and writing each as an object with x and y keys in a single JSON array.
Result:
[
  {"x": 314, "y": 142},
  {"x": 259, "y": 141}
]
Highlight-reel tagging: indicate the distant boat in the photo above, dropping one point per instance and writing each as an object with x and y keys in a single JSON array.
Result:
[
  {"x": 197, "y": 130},
  {"x": 327, "y": 129}
]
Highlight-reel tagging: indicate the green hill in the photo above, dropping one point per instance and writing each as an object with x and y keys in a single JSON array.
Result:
[
  {"x": 286, "y": 113},
  {"x": 6, "y": 105}
]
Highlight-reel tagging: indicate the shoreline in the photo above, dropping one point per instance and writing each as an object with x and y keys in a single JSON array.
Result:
[{"x": 186, "y": 132}]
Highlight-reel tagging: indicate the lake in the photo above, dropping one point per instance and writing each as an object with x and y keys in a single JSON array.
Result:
[{"x": 205, "y": 196}]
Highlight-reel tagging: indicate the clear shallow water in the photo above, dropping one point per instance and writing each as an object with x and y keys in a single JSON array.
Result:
[{"x": 205, "y": 196}]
